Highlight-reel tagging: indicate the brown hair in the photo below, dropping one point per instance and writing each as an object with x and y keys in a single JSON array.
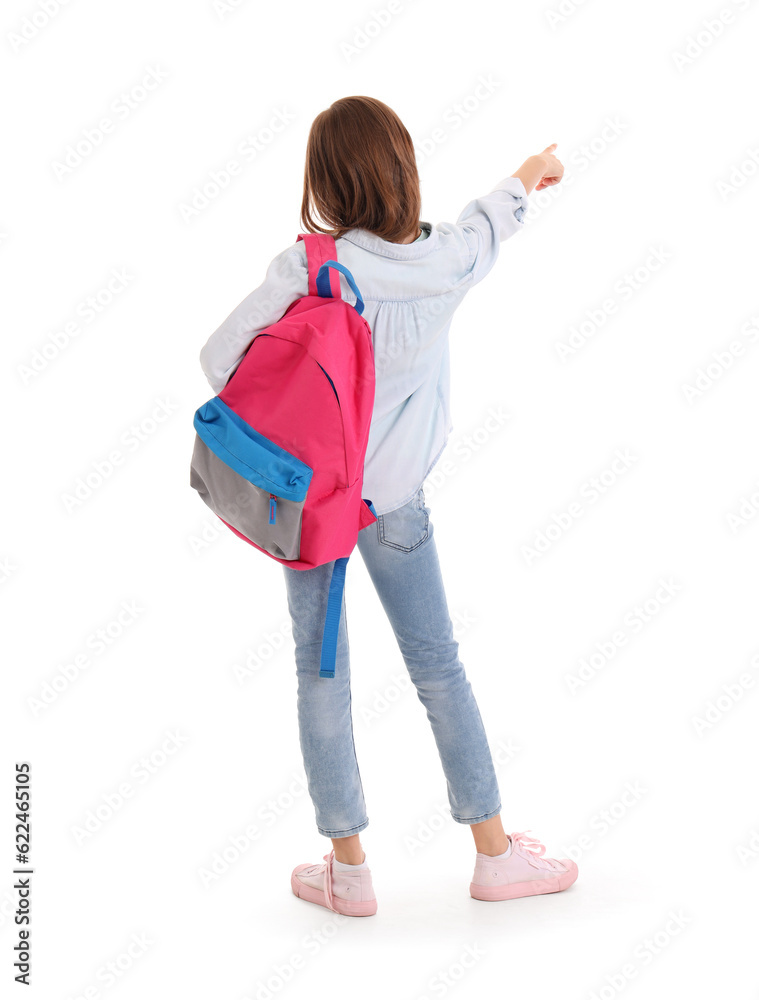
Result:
[{"x": 361, "y": 172}]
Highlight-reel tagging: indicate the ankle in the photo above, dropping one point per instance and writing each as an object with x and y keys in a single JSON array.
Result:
[
  {"x": 494, "y": 848},
  {"x": 350, "y": 857},
  {"x": 348, "y": 850}
]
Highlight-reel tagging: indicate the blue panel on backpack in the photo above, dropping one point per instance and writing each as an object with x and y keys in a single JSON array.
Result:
[{"x": 250, "y": 454}]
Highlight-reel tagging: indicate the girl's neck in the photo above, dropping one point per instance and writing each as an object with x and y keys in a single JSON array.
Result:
[{"x": 410, "y": 239}]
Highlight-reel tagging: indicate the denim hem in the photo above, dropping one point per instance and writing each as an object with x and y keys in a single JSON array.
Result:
[
  {"x": 479, "y": 819},
  {"x": 344, "y": 833}
]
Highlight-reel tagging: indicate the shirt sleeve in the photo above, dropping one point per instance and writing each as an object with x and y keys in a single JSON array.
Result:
[
  {"x": 489, "y": 220},
  {"x": 286, "y": 280}
]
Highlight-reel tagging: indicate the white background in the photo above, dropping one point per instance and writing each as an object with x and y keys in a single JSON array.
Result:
[{"x": 675, "y": 175}]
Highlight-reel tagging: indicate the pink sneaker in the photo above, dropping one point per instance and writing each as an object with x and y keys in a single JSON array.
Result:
[
  {"x": 349, "y": 893},
  {"x": 523, "y": 873}
]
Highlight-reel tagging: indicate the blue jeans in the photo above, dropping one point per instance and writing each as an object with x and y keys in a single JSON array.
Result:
[{"x": 401, "y": 558}]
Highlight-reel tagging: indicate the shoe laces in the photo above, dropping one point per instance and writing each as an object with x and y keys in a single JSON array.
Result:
[
  {"x": 531, "y": 849},
  {"x": 325, "y": 870}
]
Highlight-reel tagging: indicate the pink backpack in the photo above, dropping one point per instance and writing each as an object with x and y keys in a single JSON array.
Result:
[{"x": 279, "y": 452}]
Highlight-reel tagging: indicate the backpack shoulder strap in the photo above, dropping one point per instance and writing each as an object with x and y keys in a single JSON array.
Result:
[{"x": 320, "y": 247}]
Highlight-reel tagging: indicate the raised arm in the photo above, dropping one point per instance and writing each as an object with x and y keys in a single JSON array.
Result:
[{"x": 492, "y": 218}]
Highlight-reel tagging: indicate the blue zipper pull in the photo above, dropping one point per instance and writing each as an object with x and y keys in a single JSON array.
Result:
[{"x": 272, "y": 509}]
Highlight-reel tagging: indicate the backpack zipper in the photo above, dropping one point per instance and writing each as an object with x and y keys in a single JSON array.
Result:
[
  {"x": 321, "y": 366},
  {"x": 272, "y": 509},
  {"x": 339, "y": 408},
  {"x": 331, "y": 383}
]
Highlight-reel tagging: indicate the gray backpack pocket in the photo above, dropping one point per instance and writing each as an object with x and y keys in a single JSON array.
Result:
[{"x": 250, "y": 482}]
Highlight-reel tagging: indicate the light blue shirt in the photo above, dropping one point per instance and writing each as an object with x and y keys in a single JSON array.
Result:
[{"x": 410, "y": 292}]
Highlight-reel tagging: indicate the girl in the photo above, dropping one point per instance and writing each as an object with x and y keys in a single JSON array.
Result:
[{"x": 361, "y": 180}]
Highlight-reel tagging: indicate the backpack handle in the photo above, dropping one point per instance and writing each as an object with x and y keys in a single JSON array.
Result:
[{"x": 323, "y": 282}]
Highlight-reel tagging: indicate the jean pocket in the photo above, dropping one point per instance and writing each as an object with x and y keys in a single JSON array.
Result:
[{"x": 406, "y": 527}]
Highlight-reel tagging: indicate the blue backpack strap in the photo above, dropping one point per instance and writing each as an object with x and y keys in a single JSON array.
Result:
[
  {"x": 323, "y": 282},
  {"x": 334, "y": 609},
  {"x": 332, "y": 618}
]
